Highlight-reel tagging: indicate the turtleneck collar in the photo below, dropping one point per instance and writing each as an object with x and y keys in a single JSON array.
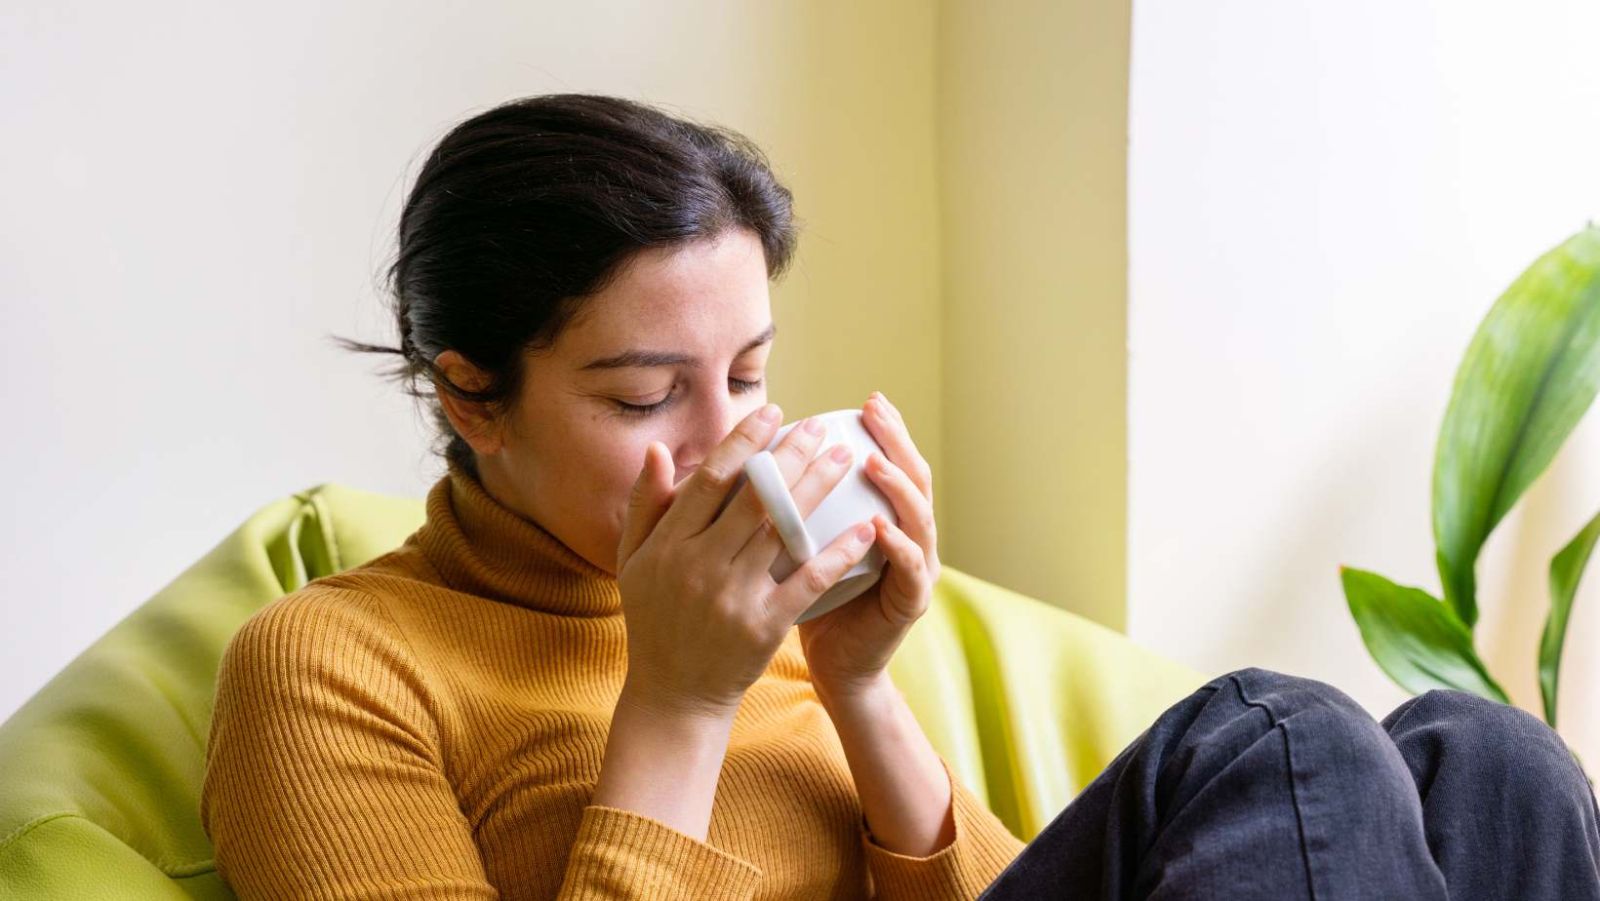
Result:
[{"x": 480, "y": 546}]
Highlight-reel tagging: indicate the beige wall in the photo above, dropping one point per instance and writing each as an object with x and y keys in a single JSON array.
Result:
[
  {"x": 961, "y": 174},
  {"x": 855, "y": 141},
  {"x": 1032, "y": 151}
]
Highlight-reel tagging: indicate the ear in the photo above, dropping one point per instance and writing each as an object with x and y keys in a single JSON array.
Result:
[{"x": 474, "y": 421}]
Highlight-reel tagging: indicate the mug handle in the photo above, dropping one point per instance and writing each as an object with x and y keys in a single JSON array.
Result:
[{"x": 770, "y": 486}]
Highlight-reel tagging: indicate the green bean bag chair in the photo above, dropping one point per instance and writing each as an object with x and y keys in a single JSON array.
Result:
[{"x": 100, "y": 771}]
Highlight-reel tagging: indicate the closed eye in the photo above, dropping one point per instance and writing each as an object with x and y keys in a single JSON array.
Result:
[{"x": 740, "y": 386}]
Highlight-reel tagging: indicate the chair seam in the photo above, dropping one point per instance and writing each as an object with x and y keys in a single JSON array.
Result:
[
  {"x": 325, "y": 520},
  {"x": 180, "y": 871},
  {"x": 17, "y": 833}
]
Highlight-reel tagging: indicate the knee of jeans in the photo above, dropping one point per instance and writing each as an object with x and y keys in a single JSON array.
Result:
[
  {"x": 1349, "y": 754},
  {"x": 1502, "y": 742}
]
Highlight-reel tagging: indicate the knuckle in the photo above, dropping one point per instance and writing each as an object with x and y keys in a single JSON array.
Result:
[
  {"x": 696, "y": 582},
  {"x": 793, "y": 453},
  {"x": 750, "y": 432},
  {"x": 731, "y": 611},
  {"x": 816, "y": 580},
  {"x": 795, "y": 460},
  {"x": 817, "y": 471},
  {"x": 797, "y": 440},
  {"x": 809, "y": 486},
  {"x": 736, "y": 612},
  {"x": 715, "y": 476}
]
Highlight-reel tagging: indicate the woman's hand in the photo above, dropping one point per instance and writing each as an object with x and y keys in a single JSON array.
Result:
[
  {"x": 848, "y": 649},
  {"x": 702, "y": 613}
]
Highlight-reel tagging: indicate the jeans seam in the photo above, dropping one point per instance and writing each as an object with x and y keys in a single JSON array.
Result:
[{"x": 1294, "y": 794}]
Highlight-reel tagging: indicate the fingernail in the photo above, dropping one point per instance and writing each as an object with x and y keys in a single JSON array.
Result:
[
  {"x": 812, "y": 425},
  {"x": 769, "y": 413},
  {"x": 864, "y": 532},
  {"x": 840, "y": 453}
]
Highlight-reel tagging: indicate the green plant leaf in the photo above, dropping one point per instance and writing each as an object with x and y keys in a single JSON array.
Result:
[
  {"x": 1415, "y": 637},
  {"x": 1528, "y": 375},
  {"x": 1565, "y": 570}
]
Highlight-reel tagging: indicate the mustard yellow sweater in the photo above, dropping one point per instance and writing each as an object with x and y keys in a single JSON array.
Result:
[{"x": 431, "y": 725}]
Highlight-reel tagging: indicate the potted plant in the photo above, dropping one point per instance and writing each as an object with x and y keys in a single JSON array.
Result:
[{"x": 1529, "y": 374}]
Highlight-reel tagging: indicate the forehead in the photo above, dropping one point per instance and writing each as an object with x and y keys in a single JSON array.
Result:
[{"x": 704, "y": 299}]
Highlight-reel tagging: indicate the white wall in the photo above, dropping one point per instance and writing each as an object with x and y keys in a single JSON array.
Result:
[
  {"x": 1324, "y": 199},
  {"x": 197, "y": 194}
]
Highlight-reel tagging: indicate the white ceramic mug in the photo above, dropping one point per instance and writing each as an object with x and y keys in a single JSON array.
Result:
[{"x": 853, "y": 500}]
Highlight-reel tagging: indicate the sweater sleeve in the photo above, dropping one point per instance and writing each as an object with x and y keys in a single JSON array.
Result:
[
  {"x": 981, "y": 849},
  {"x": 324, "y": 773},
  {"x": 624, "y": 854}
]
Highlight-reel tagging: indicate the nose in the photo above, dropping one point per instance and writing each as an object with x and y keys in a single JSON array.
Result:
[{"x": 703, "y": 439}]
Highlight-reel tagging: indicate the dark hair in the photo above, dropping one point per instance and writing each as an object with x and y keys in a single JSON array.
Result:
[{"x": 524, "y": 211}]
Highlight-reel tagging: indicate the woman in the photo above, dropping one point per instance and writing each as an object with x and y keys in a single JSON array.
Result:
[{"x": 577, "y": 679}]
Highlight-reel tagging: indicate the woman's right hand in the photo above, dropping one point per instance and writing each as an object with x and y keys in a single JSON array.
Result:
[{"x": 703, "y": 614}]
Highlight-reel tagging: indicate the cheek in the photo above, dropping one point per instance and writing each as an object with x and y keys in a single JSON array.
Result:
[
  {"x": 591, "y": 463},
  {"x": 612, "y": 471}
]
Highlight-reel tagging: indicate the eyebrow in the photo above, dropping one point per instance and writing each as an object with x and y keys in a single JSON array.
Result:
[{"x": 649, "y": 358}]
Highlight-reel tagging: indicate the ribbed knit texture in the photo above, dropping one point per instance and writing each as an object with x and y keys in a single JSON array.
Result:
[{"x": 431, "y": 725}]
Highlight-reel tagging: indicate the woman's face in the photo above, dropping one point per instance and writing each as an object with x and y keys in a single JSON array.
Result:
[{"x": 686, "y": 332}]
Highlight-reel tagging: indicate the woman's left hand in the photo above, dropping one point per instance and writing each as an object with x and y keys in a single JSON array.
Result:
[{"x": 848, "y": 648}]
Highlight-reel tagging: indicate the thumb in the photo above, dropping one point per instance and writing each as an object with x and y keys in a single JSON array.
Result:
[{"x": 651, "y": 495}]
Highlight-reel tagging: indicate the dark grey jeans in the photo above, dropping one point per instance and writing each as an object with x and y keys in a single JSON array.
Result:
[{"x": 1266, "y": 786}]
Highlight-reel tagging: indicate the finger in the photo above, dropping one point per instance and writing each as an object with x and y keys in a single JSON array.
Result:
[
  {"x": 908, "y": 564},
  {"x": 698, "y": 498},
  {"x": 803, "y": 586},
  {"x": 650, "y": 498},
  {"x": 822, "y": 475},
  {"x": 881, "y": 398},
  {"x": 913, "y": 510},
  {"x": 744, "y": 513},
  {"x": 890, "y": 432}
]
